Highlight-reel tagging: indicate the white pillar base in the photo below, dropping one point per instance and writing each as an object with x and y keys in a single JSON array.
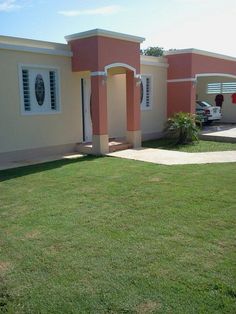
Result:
[
  {"x": 100, "y": 145},
  {"x": 134, "y": 138}
]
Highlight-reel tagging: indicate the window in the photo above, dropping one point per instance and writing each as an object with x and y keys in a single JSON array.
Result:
[
  {"x": 221, "y": 88},
  {"x": 213, "y": 88},
  {"x": 146, "y": 92},
  {"x": 39, "y": 89},
  {"x": 228, "y": 88}
]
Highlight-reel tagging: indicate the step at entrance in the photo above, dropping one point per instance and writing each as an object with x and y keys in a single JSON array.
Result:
[{"x": 114, "y": 146}]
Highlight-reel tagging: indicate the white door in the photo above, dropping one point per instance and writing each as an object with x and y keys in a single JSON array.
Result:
[{"x": 86, "y": 96}]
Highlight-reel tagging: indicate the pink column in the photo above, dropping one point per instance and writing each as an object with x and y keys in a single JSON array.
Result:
[
  {"x": 99, "y": 115},
  {"x": 133, "y": 110},
  {"x": 99, "y": 105}
]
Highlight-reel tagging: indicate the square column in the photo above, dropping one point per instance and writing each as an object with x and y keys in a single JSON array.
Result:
[
  {"x": 99, "y": 115},
  {"x": 133, "y": 110}
]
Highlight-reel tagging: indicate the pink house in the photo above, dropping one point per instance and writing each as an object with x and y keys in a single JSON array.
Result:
[{"x": 97, "y": 87}]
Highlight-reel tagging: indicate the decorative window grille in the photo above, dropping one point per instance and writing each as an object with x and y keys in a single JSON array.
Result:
[
  {"x": 26, "y": 91},
  {"x": 146, "y": 92},
  {"x": 39, "y": 89},
  {"x": 221, "y": 88},
  {"x": 52, "y": 77},
  {"x": 214, "y": 88},
  {"x": 229, "y": 87}
]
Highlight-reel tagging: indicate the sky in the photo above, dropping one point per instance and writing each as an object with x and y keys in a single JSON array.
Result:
[{"x": 171, "y": 24}]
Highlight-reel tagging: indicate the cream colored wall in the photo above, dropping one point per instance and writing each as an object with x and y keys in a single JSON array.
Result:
[
  {"x": 228, "y": 109},
  {"x": 116, "y": 105},
  {"x": 19, "y": 132},
  {"x": 153, "y": 120}
]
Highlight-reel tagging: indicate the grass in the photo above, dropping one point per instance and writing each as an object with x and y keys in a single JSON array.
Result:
[
  {"x": 106, "y": 235},
  {"x": 195, "y": 147}
]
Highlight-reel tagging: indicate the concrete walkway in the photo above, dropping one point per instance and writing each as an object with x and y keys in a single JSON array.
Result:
[{"x": 168, "y": 157}]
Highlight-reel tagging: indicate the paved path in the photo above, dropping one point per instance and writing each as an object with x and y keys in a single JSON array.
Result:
[
  {"x": 168, "y": 157},
  {"x": 221, "y": 133}
]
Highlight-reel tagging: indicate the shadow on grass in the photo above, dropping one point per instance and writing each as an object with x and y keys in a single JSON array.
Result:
[
  {"x": 164, "y": 143},
  {"x": 9, "y": 174}
]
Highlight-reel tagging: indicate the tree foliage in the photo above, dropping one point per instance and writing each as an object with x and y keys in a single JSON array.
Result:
[{"x": 153, "y": 51}]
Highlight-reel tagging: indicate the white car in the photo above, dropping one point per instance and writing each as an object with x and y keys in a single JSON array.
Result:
[{"x": 212, "y": 113}]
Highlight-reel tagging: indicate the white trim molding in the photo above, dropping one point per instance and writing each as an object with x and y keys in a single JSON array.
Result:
[
  {"x": 188, "y": 79},
  {"x": 48, "y": 51},
  {"x": 215, "y": 74},
  {"x": 115, "y": 65},
  {"x": 104, "y": 33},
  {"x": 121, "y": 65},
  {"x": 199, "y": 52},
  {"x": 98, "y": 73}
]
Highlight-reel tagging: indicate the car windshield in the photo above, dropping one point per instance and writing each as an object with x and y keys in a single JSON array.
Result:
[{"x": 204, "y": 104}]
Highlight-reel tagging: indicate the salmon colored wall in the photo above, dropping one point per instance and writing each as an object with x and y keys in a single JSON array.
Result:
[
  {"x": 85, "y": 57},
  {"x": 179, "y": 66},
  {"x": 94, "y": 53},
  {"x": 205, "y": 64},
  {"x": 99, "y": 105},
  {"x": 187, "y": 65},
  {"x": 180, "y": 97}
]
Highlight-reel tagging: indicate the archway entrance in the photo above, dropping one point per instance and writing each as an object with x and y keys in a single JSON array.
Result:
[
  {"x": 100, "y": 52},
  {"x": 209, "y": 85},
  {"x": 186, "y": 67}
]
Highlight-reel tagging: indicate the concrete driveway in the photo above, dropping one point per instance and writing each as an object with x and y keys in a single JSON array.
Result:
[{"x": 219, "y": 132}]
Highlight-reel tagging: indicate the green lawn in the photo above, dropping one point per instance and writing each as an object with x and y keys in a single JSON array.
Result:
[
  {"x": 196, "y": 147},
  {"x": 106, "y": 235}
]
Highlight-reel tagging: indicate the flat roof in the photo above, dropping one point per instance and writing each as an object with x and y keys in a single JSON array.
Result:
[
  {"x": 199, "y": 52},
  {"x": 32, "y": 45},
  {"x": 104, "y": 33},
  {"x": 32, "y": 42}
]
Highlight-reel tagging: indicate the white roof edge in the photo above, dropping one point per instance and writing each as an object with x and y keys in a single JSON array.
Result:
[
  {"x": 48, "y": 51},
  {"x": 200, "y": 52},
  {"x": 104, "y": 33},
  {"x": 10, "y": 40}
]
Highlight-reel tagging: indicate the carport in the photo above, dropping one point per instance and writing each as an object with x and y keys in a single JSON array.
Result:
[
  {"x": 196, "y": 74},
  {"x": 209, "y": 86}
]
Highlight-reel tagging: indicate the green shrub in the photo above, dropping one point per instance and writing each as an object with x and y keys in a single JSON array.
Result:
[{"x": 183, "y": 127}]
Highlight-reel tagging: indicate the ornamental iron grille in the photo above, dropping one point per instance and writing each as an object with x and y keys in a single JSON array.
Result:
[{"x": 39, "y": 89}]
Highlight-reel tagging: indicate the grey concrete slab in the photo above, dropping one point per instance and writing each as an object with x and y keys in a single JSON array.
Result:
[
  {"x": 167, "y": 157},
  {"x": 219, "y": 132}
]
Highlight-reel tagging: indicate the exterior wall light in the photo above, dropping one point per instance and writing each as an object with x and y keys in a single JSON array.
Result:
[{"x": 138, "y": 80}]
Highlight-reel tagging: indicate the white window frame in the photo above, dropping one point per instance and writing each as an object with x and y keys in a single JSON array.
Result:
[
  {"x": 58, "y": 89},
  {"x": 143, "y": 104}
]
